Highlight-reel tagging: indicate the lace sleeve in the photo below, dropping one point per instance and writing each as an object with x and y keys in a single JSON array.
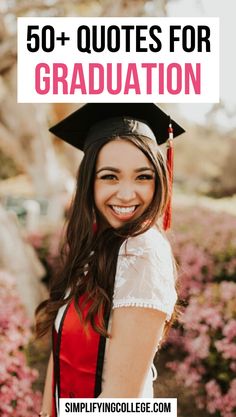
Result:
[{"x": 144, "y": 275}]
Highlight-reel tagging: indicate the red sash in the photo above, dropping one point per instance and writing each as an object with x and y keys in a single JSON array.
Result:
[{"x": 78, "y": 357}]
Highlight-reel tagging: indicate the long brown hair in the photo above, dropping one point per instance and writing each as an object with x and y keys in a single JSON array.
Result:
[{"x": 89, "y": 259}]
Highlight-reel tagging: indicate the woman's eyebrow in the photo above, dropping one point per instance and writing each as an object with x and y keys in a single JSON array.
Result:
[
  {"x": 144, "y": 169},
  {"x": 118, "y": 170},
  {"x": 108, "y": 169}
]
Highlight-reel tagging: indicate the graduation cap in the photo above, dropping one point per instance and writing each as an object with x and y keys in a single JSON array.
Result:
[{"x": 95, "y": 121}]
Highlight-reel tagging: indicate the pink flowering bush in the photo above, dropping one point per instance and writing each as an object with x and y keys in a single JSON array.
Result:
[
  {"x": 17, "y": 399},
  {"x": 204, "y": 244},
  {"x": 205, "y": 337}
]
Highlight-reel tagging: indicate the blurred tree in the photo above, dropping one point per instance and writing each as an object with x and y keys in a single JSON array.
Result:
[
  {"x": 24, "y": 264},
  {"x": 23, "y": 127},
  {"x": 8, "y": 167},
  {"x": 225, "y": 184}
]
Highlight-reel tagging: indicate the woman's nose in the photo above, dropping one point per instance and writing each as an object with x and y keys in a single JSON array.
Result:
[{"x": 126, "y": 192}]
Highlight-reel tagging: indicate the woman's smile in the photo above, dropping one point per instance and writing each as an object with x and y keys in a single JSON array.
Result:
[
  {"x": 124, "y": 184},
  {"x": 125, "y": 212}
]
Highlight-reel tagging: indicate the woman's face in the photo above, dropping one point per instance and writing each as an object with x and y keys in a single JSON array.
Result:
[{"x": 124, "y": 183}]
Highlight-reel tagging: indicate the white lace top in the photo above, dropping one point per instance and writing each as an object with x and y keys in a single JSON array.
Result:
[
  {"x": 144, "y": 275},
  {"x": 144, "y": 278}
]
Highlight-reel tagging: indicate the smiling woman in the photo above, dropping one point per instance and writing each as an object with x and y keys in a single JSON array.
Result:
[{"x": 117, "y": 280}]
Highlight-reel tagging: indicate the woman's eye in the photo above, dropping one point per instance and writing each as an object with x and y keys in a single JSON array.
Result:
[
  {"x": 108, "y": 177},
  {"x": 145, "y": 177}
]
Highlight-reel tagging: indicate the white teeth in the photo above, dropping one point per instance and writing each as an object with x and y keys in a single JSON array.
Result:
[{"x": 123, "y": 210}]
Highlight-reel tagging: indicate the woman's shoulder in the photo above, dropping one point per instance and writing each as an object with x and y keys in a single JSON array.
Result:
[{"x": 152, "y": 240}]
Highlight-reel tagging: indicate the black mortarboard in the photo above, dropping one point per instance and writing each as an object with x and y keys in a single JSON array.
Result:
[{"x": 98, "y": 120}]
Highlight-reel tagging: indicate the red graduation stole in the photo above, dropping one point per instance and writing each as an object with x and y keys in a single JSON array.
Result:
[{"x": 78, "y": 357}]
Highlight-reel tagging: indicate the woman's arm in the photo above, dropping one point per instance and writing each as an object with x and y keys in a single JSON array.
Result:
[
  {"x": 135, "y": 334},
  {"x": 47, "y": 394}
]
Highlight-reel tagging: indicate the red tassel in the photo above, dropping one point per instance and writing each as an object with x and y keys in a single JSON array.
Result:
[{"x": 170, "y": 167}]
